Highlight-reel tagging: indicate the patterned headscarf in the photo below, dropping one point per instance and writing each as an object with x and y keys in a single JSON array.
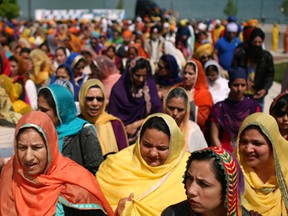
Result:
[{"x": 233, "y": 176}]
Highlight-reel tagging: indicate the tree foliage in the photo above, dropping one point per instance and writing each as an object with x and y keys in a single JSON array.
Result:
[
  {"x": 284, "y": 7},
  {"x": 230, "y": 9},
  {"x": 9, "y": 9},
  {"x": 120, "y": 4}
]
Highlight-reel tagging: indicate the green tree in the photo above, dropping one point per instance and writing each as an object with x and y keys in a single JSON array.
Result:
[
  {"x": 230, "y": 9},
  {"x": 284, "y": 7},
  {"x": 120, "y": 4},
  {"x": 9, "y": 9}
]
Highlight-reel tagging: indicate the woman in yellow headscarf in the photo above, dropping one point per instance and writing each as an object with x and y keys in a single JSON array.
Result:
[
  {"x": 110, "y": 129},
  {"x": 151, "y": 171},
  {"x": 262, "y": 154}
]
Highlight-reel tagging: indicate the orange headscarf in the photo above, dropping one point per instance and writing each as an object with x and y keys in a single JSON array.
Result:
[{"x": 63, "y": 180}]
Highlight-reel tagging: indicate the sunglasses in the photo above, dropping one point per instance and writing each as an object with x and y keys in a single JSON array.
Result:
[{"x": 91, "y": 98}]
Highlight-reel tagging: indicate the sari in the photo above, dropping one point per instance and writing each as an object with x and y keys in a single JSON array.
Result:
[
  {"x": 154, "y": 188},
  {"x": 270, "y": 198},
  {"x": 110, "y": 129},
  {"x": 63, "y": 180}
]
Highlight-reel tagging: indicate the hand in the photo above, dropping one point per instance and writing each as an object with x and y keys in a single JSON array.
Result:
[
  {"x": 131, "y": 129},
  {"x": 254, "y": 213},
  {"x": 260, "y": 94},
  {"x": 121, "y": 204}
]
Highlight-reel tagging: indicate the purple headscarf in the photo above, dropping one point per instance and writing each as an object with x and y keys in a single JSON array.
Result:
[{"x": 129, "y": 108}]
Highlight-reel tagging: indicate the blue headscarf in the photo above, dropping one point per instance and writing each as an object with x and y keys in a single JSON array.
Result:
[
  {"x": 236, "y": 73},
  {"x": 72, "y": 61},
  {"x": 66, "y": 112}
]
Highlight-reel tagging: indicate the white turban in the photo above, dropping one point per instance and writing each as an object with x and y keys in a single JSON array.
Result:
[{"x": 232, "y": 27}]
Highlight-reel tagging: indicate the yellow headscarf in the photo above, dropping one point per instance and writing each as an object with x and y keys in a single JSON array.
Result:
[
  {"x": 102, "y": 123},
  {"x": 154, "y": 188},
  {"x": 270, "y": 198}
]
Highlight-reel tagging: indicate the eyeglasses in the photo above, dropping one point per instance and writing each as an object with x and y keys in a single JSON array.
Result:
[{"x": 91, "y": 98}]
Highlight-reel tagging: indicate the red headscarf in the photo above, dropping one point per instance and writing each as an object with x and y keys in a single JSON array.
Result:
[{"x": 62, "y": 179}]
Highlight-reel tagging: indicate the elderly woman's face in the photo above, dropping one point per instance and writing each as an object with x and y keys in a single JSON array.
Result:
[
  {"x": 203, "y": 190},
  {"x": 32, "y": 152},
  {"x": 94, "y": 102},
  {"x": 154, "y": 147},
  {"x": 255, "y": 150},
  {"x": 176, "y": 108}
]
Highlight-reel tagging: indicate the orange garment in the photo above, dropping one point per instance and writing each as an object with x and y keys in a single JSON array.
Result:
[
  {"x": 202, "y": 96},
  {"x": 62, "y": 179},
  {"x": 75, "y": 43}
]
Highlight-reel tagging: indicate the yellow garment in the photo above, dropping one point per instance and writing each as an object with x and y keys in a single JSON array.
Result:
[
  {"x": 204, "y": 49},
  {"x": 275, "y": 37},
  {"x": 217, "y": 32},
  {"x": 6, "y": 109},
  {"x": 154, "y": 188},
  {"x": 14, "y": 90},
  {"x": 21, "y": 107},
  {"x": 270, "y": 198},
  {"x": 42, "y": 67},
  {"x": 102, "y": 123}
]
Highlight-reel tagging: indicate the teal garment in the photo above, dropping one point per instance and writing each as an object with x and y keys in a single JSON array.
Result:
[
  {"x": 70, "y": 124},
  {"x": 59, "y": 209}
]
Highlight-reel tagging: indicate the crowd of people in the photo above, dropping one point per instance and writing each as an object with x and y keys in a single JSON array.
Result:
[{"x": 151, "y": 116}]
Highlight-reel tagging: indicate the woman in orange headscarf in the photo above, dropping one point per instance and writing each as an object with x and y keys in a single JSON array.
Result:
[
  {"x": 194, "y": 81},
  {"x": 38, "y": 180}
]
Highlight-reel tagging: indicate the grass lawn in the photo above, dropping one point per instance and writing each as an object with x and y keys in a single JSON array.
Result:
[{"x": 280, "y": 70}]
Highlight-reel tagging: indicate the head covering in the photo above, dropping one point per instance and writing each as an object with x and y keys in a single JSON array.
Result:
[
  {"x": 130, "y": 108},
  {"x": 253, "y": 23},
  {"x": 59, "y": 182},
  {"x": 233, "y": 177},
  {"x": 153, "y": 187},
  {"x": 66, "y": 112},
  {"x": 201, "y": 95},
  {"x": 102, "y": 122},
  {"x": 237, "y": 73},
  {"x": 270, "y": 198},
  {"x": 73, "y": 59},
  {"x": 273, "y": 106},
  {"x": 255, "y": 33},
  {"x": 204, "y": 49},
  {"x": 232, "y": 27},
  {"x": 219, "y": 88},
  {"x": 173, "y": 76}
]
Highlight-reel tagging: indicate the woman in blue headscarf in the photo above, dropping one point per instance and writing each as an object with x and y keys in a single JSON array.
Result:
[
  {"x": 77, "y": 62},
  {"x": 77, "y": 138}
]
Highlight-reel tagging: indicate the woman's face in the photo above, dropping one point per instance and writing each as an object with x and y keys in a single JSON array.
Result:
[
  {"x": 162, "y": 69},
  {"x": 154, "y": 147},
  {"x": 110, "y": 53},
  {"x": 282, "y": 118},
  {"x": 203, "y": 190},
  {"x": 237, "y": 88},
  {"x": 189, "y": 76},
  {"x": 13, "y": 68},
  {"x": 60, "y": 56},
  {"x": 79, "y": 68},
  {"x": 32, "y": 152},
  {"x": 255, "y": 149},
  {"x": 43, "y": 106},
  {"x": 139, "y": 77},
  {"x": 62, "y": 73},
  {"x": 132, "y": 53},
  {"x": 212, "y": 75},
  {"x": 176, "y": 108},
  {"x": 94, "y": 102}
]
